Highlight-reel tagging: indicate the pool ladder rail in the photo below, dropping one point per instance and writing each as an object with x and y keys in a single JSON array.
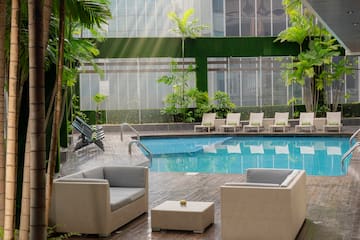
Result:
[
  {"x": 352, "y": 149},
  {"x": 131, "y": 128},
  {"x": 137, "y": 141},
  {"x": 142, "y": 146}
]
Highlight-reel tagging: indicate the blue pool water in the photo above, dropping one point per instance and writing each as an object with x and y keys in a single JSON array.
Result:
[{"x": 319, "y": 156}]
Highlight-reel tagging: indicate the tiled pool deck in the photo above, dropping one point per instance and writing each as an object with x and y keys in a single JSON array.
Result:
[{"x": 333, "y": 211}]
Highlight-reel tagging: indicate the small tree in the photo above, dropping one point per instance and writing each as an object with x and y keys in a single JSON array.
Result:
[
  {"x": 182, "y": 97},
  {"x": 313, "y": 68},
  {"x": 98, "y": 99},
  {"x": 222, "y": 104}
]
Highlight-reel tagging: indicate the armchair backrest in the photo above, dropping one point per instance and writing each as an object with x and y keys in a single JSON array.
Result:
[
  {"x": 122, "y": 176},
  {"x": 262, "y": 175}
]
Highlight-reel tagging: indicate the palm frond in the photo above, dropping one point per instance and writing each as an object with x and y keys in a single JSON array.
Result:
[{"x": 89, "y": 12}]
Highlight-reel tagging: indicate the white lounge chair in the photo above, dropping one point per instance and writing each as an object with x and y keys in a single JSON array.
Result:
[
  {"x": 306, "y": 121},
  {"x": 333, "y": 121},
  {"x": 281, "y": 121},
  {"x": 207, "y": 123},
  {"x": 232, "y": 122},
  {"x": 255, "y": 122}
]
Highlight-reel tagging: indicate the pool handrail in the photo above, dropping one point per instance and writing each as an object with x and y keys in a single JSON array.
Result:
[
  {"x": 131, "y": 128},
  {"x": 354, "y": 135},
  {"x": 348, "y": 152},
  {"x": 140, "y": 145}
]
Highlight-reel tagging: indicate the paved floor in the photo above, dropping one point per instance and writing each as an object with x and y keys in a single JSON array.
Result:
[{"x": 333, "y": 211}]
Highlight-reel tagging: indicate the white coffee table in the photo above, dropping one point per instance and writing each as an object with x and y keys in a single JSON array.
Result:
[{"x": 194, "y": 216}]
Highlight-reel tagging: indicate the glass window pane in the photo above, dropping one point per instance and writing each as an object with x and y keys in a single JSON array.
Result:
[
  {"x": 263, "y": 18},
  {"x": 232, "y": 17},
  {"x": 247, "y": 18},
  {"x": 279, "y": 17}
]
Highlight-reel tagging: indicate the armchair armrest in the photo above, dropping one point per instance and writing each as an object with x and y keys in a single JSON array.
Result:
[{"x": 75, "y": 198}]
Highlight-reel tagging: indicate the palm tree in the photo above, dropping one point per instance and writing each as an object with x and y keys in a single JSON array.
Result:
[
  {"x": 2, "y": 109},
  {"x": 25, "y": 196},
  {"x": 25, "y": 200},
  {"x": 58, "y": 106},
  {"x": 11, "y": 145},
  {"x": 88, "y": 14},
  {"x": 36, "y": 120},
  {"x": 186, "y": 29}
]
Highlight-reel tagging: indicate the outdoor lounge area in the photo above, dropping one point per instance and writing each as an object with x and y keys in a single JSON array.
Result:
[
  {"x": 332, "y": 210},
  {"x": 169, "y": 120}
]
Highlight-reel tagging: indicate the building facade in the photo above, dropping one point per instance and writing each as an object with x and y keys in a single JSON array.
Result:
[{"x": 131, "y": 83}]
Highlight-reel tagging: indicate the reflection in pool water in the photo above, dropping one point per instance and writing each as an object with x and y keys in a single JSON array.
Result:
[{"x": 317, "y": 155}]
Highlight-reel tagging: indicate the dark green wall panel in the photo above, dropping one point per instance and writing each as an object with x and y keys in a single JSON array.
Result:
[
  {"x": 204, "y": 47},
  {"x": 140, "y": 47}
]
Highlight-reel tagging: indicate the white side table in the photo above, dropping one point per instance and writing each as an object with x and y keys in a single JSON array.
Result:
[{"x": 194, "y": 216}]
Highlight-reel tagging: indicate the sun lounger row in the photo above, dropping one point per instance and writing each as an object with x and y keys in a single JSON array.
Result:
[{"x": 281, "y": 122}]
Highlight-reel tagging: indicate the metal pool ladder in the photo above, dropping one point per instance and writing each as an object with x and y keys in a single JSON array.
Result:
[
  {"x": 137, "y": 141},
  {"x": 132, "y": 129},
  {"x": 354, "y": 135},
  {"x": 353, "y": 147},
  {"x": 140, "y": 145}
]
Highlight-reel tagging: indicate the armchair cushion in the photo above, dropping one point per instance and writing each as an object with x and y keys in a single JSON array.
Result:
[
  {"x": 120, "y": 197},
  {"x": 272, "y": 176}
]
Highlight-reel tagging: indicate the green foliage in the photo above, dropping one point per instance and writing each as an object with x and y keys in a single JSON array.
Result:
[
  {"x": 76, "y": 108},
  {"x": 347, "y": 95},
  {"x": 98, "y": 99},
  {"x": 183, "y": 97},
  {"x": 52, "y": 235},
  {"x": 184, "y": 26},
  {"x": 294, "y": 100},
  {"x": 222, "y": 104},
  {"x": 90, "y": 14},
  {"x": 314, "y": 67},
  {"x": 296, "y": 114}
]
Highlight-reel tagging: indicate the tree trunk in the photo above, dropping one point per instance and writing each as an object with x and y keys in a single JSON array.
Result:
[
  {"x": 36, "y": 121},
  {"x": 308, "y": 95},
  {"x": 2, "y": 110},
  {"x": 25, "y": 200},
  {"x": 46, "y": 24},
  {"x": 11, "y": 146},
  {"x": 57, "y": 114}
]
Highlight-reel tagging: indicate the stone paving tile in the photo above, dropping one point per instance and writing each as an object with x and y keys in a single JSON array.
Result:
[{"x": 333, "y": 211}]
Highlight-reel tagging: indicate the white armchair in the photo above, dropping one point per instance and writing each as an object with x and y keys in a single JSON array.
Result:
[
  {"x": 271, "y": 204},
  {"x": 99, "y": 200}
]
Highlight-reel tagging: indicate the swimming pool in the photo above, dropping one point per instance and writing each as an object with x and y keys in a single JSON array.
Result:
[{"x": 319, "y": 156}]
